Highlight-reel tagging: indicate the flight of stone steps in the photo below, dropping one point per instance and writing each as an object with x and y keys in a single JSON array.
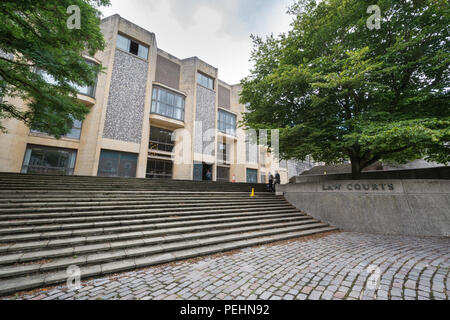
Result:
[{"x": 108, "y": 225}]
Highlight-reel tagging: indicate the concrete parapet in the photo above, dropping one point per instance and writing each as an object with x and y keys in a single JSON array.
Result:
[{"x": 390, "y": 206}]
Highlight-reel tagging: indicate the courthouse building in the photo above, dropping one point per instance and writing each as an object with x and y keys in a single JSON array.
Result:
[{"x": 152, "y": 115}]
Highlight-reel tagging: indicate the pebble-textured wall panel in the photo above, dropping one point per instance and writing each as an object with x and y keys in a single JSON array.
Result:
[
  {"x": 125, "y": 112},
  {"x": 206, "y": 114}
]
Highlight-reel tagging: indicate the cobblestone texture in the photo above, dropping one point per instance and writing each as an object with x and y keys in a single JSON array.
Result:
[{"x": 339, "y": 266}]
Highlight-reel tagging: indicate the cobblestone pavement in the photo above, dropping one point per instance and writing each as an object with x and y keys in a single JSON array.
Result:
[{"x": 339, "y": 266}]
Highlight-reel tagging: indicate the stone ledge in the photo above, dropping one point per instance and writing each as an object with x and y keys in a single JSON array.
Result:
[{"x": 403, "y": 207}]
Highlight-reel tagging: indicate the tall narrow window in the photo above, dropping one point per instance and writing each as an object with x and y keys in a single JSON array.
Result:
[
  {"x": 227, "y": 122},
  {"x": 222, "y": 154},
  {"x": 87, "y": 90}
]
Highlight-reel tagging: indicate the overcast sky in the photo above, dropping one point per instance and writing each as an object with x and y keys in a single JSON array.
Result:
[{"x": 217, "y": 31}]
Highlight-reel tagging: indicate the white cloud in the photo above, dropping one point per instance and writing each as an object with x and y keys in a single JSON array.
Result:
[{"x": 218, "y": 32}]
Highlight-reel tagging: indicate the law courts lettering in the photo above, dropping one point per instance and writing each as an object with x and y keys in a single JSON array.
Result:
[{"x": 359, "y": 187}]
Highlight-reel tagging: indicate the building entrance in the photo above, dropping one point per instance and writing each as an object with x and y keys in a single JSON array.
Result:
[{"x": 201, "y": 171}]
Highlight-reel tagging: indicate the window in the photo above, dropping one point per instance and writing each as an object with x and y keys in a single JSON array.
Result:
[
  {"x": 227, "y": 122},
  {"x": 223, "y": 174},
  {"x": 86, "y": 90},
  {"x": 47, "y": 77},
  {"x": 252, "y": 176},
  {"x": 263, "y": 178},
  {"x": 74, "y": 133},
  {"x": 159, "y": 169},
  {"x": 161, "y": 140},
  {"x": 117, "y": 164},
  {"x": 167, "y": 104},
  {"x": 132, "y": 47},
  {"x": 46, "y": 160},
  {"x": 262, "y": 158},
  {"x": 205, "y": 81},
  {"x": 222, "y": 154}
]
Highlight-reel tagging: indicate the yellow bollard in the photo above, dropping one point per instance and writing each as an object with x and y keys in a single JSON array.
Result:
[{"x": 253, "y": 192}]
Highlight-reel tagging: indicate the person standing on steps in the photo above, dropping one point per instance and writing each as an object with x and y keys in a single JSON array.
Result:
[
  {"x": 208, "y": 175},
  {"x": 270, "y": 182},
  {"x": 277, "y": 179}
]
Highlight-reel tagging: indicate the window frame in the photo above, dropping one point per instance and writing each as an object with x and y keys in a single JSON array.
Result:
[
  {"x": 159, "y": 173},
  {"x": 219, "y": 177},
  {"x": 210, "y": 82},
  {"x": 50, "y": 80},
  {"x": 223, "y": 118},
  {"x": 129, "y": 41},
  {"x": 167, "y": 144},
  {"x": 222, "y": 156},
  {"x": 120, "y": 158},
  {"x": 160, "y": 101},
  {"x": 68, "y": 169},
  {"x": 68, "y": 135}
]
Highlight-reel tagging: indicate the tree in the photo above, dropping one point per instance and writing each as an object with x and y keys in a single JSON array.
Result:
[
  {"x": 35, "y": 35},
  {"x": 341, "y": 91}
]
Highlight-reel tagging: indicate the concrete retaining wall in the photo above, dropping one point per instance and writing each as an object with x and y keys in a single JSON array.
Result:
[
  {"x": 404, "y": 207},
  {"x": 428, "y": 173}
]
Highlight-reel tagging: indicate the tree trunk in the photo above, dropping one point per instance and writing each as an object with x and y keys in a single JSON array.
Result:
[{"x": 356, "y": 168}]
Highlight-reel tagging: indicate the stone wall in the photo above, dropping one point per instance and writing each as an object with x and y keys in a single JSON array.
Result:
[
  {"x": 125, "y": 111},
  {"x": 167, "y": 72},
  {"x": 429, "y": 173},
  {"x": 399, "y": 207}
]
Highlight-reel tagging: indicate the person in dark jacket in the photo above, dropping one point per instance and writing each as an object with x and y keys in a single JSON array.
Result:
[
  {"x": 270, "y": 182},
  {"x": 277, "y": 179}
]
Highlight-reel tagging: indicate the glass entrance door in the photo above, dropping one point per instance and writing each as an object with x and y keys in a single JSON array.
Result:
[{"x": 252, "y": 176}]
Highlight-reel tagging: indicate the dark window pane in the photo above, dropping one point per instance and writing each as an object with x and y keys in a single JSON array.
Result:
[
  {"x": 223, "y": 174},
  {"x": 161, "y": 140},
  {"x": 48, "y": 160},
  {"x": 168, "y": 104},
  {"x": 117, "y": 164},
  {"x": 134, "y": 48},
  {"x": 159, "y": 169}
]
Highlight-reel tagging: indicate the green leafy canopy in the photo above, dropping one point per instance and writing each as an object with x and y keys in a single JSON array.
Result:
[
  {"x": 34, "y": 36},
  {"x": 338, "y": 90}
]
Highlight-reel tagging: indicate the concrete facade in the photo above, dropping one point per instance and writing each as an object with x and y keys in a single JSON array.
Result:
[
  {"x": 392, "y": 206},
  {"x": 121, "y": 116}
]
